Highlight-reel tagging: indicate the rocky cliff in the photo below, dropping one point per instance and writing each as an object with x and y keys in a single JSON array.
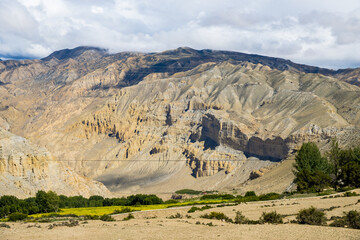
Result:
[
  {"x": 25, "y": 168},
  {"x": 211, "y": 118}
]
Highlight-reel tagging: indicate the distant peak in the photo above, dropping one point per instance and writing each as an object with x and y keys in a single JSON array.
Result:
[
  {"x": 181, "y": 51},
  {"x": 73, "y": 53}
]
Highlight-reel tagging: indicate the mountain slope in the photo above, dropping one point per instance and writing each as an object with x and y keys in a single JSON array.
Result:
[{"x": 182, "y": 118}]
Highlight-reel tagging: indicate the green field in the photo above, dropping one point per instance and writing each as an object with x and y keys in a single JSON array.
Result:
[{"x": 108, "y": 210}]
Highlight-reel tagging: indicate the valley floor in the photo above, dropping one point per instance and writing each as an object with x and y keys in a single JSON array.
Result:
[
  {"x": 177, "y": 229},
  {"x": 155, "y": 224}
]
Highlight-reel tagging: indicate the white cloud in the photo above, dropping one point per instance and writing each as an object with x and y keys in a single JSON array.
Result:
[
  {"x": 322, "y": 32},
  {"x": 97, "y": 9}
]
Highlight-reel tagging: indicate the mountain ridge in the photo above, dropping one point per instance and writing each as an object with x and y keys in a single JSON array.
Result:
[
  {"x": 199, "y": 119},
  {"x": 192, "y": 58}
]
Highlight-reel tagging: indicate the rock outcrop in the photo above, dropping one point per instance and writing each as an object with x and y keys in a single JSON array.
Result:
[
  {"x": 26, "y": 168},
  {"x": 133, "y": 120}
]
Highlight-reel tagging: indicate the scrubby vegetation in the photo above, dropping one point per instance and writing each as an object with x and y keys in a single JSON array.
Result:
[
  {"x": 271, "y": 217},
  {"x": 70, "y": 223},
  {"x": 240, "y": 218},
  {"x": 177, "y": 215},
  {"x": 16, "y": 216},
  {"x": 350, "y": 219},
  {"x": 123, "y": 210},
  {"x": 107, "y": 218},
  {"x": 249, "y": 196},
  {"x": 311, "y": 216},
  {"x": 188, "y": 191},
  {"x": 217, "y": 215},
  {"x": 194, "y": 209},
  {"x": 4, "y": 225},
  {"x": 217, "y": 196},
  {"x": 130, "y": 216}
]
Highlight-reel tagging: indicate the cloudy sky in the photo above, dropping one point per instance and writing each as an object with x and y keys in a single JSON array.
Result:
[{"x": 318, "y": 32}]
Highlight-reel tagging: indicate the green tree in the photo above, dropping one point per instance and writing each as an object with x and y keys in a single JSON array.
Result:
[
  {"x": 47, "y": 201},
  {"x": 311, "y": 169},
  {"x": 335, "y": 160},
  {"x": 350, "y": 167}
]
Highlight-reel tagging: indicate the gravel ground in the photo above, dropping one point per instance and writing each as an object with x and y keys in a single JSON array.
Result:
[{"x": 155, "y": 224}]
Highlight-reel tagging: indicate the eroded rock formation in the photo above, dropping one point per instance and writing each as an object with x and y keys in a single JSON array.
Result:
[{"x": 132, "y": 120}]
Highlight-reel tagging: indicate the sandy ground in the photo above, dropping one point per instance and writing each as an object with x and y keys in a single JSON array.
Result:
[{"x": 156, "y": 224}]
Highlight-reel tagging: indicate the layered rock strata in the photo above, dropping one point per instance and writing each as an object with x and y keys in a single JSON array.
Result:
[{"x": 133, "y": 120}]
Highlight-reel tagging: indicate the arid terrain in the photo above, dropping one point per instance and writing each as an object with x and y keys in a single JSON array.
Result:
[
  {"x": 83, "y": 121},
  {"x": 207, "y": 119},
  {"x": 155, "y": 224}
]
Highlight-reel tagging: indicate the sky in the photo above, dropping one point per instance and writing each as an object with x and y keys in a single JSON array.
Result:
[{"x": 323, "y": 33}]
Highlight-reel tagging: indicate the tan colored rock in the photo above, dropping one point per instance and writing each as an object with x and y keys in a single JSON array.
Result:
[
  {"x": 26, "y": 168},
  {"x": 119, "y": 119}
]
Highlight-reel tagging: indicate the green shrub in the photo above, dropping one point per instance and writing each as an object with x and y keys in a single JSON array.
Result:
[
  {"x": 269, "y": 196},
  {"x": 311, "y": 216},
  {"x": 338, "y": 223},
  {"x": 344, "y": 189},
  {"x": 254, "y": 222},
  {"x": 91, "y": 217},
  {"x": 205, "y": 207},
  {"x": 350, "y": 194},
  {"x": 217, "y": 196},
  {"x": 130, "y": 216},
  {"x": 4, "y": 225},
  {"x": 71, "y": 223},
  {"x": 177, "y": 215},
  {"x": 123, "y": 210},
  {"x": 143, "y": 199},
  {"x": 188, "y": 191},
  {"x": 240, "y": 218},
  {"x": 352, "y": 219},
  {"x": 250, "y": 194},
  {"x": 271, "y": 217},
  {"x": 247, "y": 199},
  {"x": 171, "y": 201},
  {"x": 16, "y": 216},
  {"x": 107, "y": 218},
  {"x": 210, "y": 224},
  {"x": 193, "y": 209},
  {"x": 227, "y": 196},
  {"x": 217, "y": 215}
]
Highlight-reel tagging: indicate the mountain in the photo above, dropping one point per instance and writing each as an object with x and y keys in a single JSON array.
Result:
[{"x": 184, "y": 118}]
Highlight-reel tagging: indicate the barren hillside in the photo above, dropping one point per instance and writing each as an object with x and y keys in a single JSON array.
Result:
[{"x": 160, "y": 122}]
